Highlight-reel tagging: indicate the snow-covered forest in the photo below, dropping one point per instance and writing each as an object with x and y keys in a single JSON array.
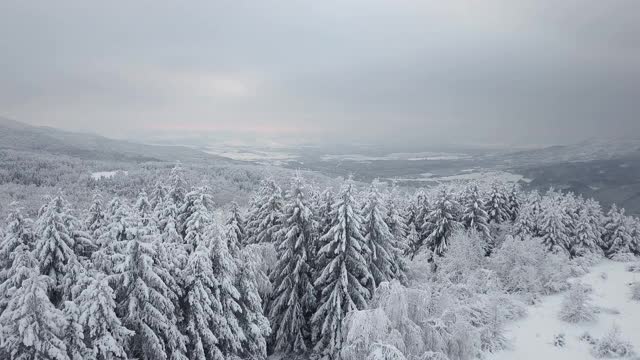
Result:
[{"x": 301, "y": 271}]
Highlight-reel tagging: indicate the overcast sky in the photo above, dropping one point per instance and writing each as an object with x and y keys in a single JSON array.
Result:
[{"x": 395, "y": 71}]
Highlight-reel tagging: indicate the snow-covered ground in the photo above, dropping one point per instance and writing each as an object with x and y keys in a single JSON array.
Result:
[
  {"x": 532, "y": 337},
  {"x": 106, "y": 174},
  {"x": 416, "y": 156}
]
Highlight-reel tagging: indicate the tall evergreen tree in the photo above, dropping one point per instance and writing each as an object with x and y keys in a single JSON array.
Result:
[
  {"x": 195, "y": 216},
  {"x": 144, "y": 304},
  {"x": 586, "y": 240},
  {"x": 513, "y": 203},
  {"x": 96, "y": 218},
  {"x": 19, "y": 232},
  {"x": 230, "y": 334},
  {"x": 54, "y": 245},
  {"x": 345, "y": 281},
  {"x": 553, "y": 231},
  {"x": 254, "y": 324},
  {"x": 380, "y": 243},
  {"x": 617, "y": 234},
  {"x": 497, "y": 205},
  {"x": 474, "y": 217},
  {"x": 293, "y": 298},
  {"x": 265, "y": 214},
  {"x": 105, "y": 334},
  {"x": 236, "y": 224},
  {"x": 203, "y": 314},
  {"x": 73, "y": 334},
  {"x": 441, "y": 222},
  {"x": 144, "y": 210},
  {"x": 32, "y": 326},
  {"x": 23, "y": 266},
  {"x": 178, "y": 187}
]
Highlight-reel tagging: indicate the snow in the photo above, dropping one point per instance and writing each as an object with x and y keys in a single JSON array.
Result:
[
  {"x": 533, "y": 336},
  {"x": 417, "y": 156},
  {"x": 107, "y": 174}
]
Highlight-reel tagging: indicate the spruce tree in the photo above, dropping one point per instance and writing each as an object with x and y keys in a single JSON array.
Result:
[
  {"x": 345, "y": 282},
  {"x": 497, "y": 205},
  {"x": 553, "y": 231},
  {"x": 19, "y": 232},
  {"x": 54, "y": 245},
  {"x": 254, "y": 324},
  {"x": 204, "y": 319},
  {"x": 586, "y": 237},
  {"x": 513, "y": 203},
  {"x": 178, "y": 187},
  {"x": 32, "y": 326},
  {"x": 23, "y": 266},
  {"x": 230, "y": 334},
  {"x": 474, "y": 217},
  {"x": 145, "y": 305},
  {"x": 105, "y": 333},
  {"x": 194, "y": 216},
  {"x": 265, "y": 214},
  {"x": 96, "y": 218},
  {"x": 380, "y": 243},
  {"x": 293, "y": 296},
  {"x": 144, "y": 210},
  {"x": 73, "y": 334},
  {"x": 237, "y": 224},
  {"x": 618, "y": 230},
  {"x": 441, "y": 222}
]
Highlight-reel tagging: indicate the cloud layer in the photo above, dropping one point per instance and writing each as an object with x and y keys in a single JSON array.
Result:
[{"x": 459, "y": 71}]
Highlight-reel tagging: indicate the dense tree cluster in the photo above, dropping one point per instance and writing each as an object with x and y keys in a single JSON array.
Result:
[{"x": 172, "y": 275}]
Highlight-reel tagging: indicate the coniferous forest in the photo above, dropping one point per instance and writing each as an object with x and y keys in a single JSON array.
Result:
[{"x": 355, "y": 271}]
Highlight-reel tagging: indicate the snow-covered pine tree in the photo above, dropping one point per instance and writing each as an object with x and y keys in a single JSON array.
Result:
[
  {"x": 159, "y": 194},
  {"x": 19, "y": 232},
  {"x": 236, "y": 224},
  {"x": 195, "y": 216},
  {"x": 293, "y": 299},
  {"x": 398, "y": 228},
  {"x": 254, "y": 324},
  {"x": 474, "y": 217},
  {"x": 618, "y": 229},
  {"x": 167, "y": 217},
  {"x": 54, "y": 245},
  {"x": 552, "y": 228},
  {"x": 204, "y": 319},
  {"x": 345, "y": 282},
  {"x": 586, "y": 237},
  {"x": 230, "y": 334},
  {"x": 381, "y": 245},
  {"x": 73, "y": 334},
  {"x": 596, "y": 219},
  {"x": 96, "y": 218},
  {"x": 23, "y": 266},
  {"x": 265, "y": 213},
  {"x": 105, "y": 334},
  {"x": 144, "y": 210},
  {"x": 441, "y": 222},
  {"x": 32, "y": 326},
  {"x": 514, "y": 203},
  {"x": 497, "y": 205},
  {"x": 145, "y": 304},
  {"x": 118, "y": 230},
  {"x": 526, "y": 225},
  {"x": 177, "y": 190}
]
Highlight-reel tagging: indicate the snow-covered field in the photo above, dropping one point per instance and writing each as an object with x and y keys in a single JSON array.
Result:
[
  {"x": 106, "y": 174},
  {"x": 533, "y": 336},
  {"x": 396, "y": 156}
]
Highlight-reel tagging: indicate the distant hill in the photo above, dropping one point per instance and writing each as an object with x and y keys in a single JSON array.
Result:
[
  {"x": 588, "y": 150},
  {"x": 18, "y": 136}
]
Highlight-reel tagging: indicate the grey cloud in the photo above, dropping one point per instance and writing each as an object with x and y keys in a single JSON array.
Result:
[{"x": 392, "y": 71}]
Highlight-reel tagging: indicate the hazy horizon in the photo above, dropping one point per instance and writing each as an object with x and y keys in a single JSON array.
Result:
[{"x": 375, "y": 72}]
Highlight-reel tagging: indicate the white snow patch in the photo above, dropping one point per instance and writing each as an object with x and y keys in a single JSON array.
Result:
[
  {"x": 107, "y": 174},
  {"x": 533, "y": 336},
  {"x": 396, "y": 156}
]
